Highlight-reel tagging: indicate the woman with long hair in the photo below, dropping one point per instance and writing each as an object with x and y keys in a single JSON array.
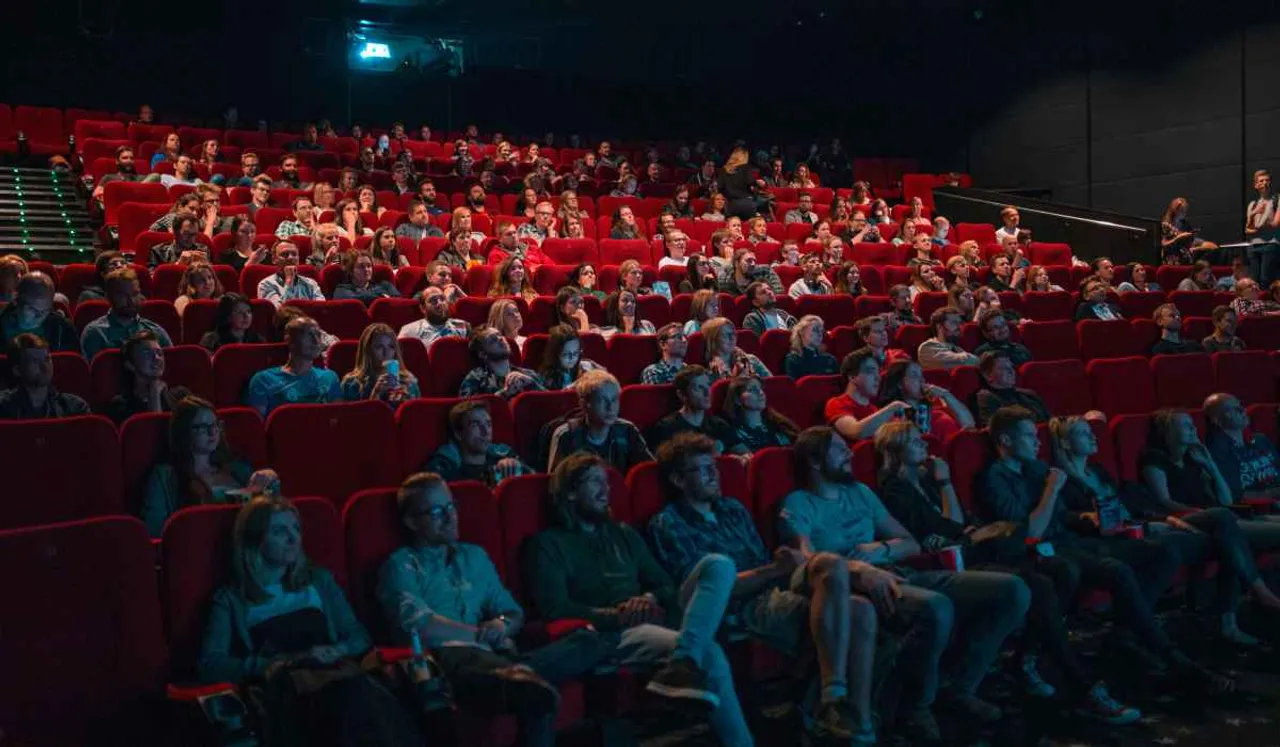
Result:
[
  {"x": 1178, "y": 240},
  {"x": 934, "y": 409},
  {"x": 757, "y": 425},
  {"x": 358, "y": 282},
  {"x": 199, "y": 281},
  {"x": 367, "y": 198},
  {"x": 385, "y": 249},
  {"x": 801, "y": 178},
  {"x": 924, "y": 279},
  {"x": 880, "y": 213},
  {"x": 739, "y": 186},
  {"x": 169, "y": 151},
  {"x": 570, "y": 206},
  {"x": 622, "y": 316},
  {"x": 232, "y": 323},
  {"x": 584, "y": 279},
  {"x": 1038, "y": 280},
  {"x": 625, "y": 224},
  {"x": 1137, "y": 280},
  {"x": 569, "y": 309},
  {"x": 509, "y": 280},
  {"x": 716, "y": 207},
  {"x": 849, "y": 280},
  {"x": 562, "y": 361},
  {"x": 724, "y": 358},
  {"x": 704, "y": 307},
  {"x": 701, "y": 274},
  {"x": 199, "y": 468},
  {"x": 379, "y": 372},
  {"x": 808, "y": 357},
  {"x": 347, "y": 217},
  {"x": 681, "y": 205},
  {"x": 505, "y": 316},
  {"x": 1200, "y": 279},
  {"x": 961, "y": 297},
  {"x": 243, "y": 252}
]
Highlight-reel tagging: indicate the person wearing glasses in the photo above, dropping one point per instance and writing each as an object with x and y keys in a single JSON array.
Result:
[{"x": 673, "y": 344}]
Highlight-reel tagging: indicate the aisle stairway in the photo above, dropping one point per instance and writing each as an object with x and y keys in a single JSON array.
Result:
[{"x": 42, "y": 217}]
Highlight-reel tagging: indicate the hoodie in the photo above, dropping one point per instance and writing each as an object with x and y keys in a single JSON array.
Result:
[{"x": 574, "y": 573}]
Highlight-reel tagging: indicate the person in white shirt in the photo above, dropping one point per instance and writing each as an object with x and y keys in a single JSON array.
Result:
[
  {"x": 435, "y": 323},
  {"x": 803, "y": 212},
  {"x": 814, "y": 282},
  {"x": 1009, "y": 216},
  {"x": 288, "y": 284},
  {"x": 184, "y": 172},
  {"x": 943, "y": 351},
  {"x": 676, "y": 242}
]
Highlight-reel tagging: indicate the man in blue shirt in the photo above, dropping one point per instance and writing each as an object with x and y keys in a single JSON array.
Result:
[
  {"x": 123, "y": 320},
  {"x": 298, "y": 380}
]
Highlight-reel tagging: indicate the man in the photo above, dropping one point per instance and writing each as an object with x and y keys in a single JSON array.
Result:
[
  {"x": 672, "y": 346},
  {"x": 184, "y": 172},
  {"x": 598, "y": 429},
  {"x": 209, "y": 210},
  {"x": 539, "y": 229},
  {"x": 744, "y": 271},
  {"x": 289, "y": 176},
  {"x": 943, "y": 351},
  {"x": 587, "y": 566},
  {"x": 145, "y": 114},
  {"x": 605, "y": 155},
  {"x": 855, "y": 414},
  {"x": 145, "y": 389},
  {"x": 704, "y": 182},
  {"x": 470, "y": 453},
  {"x": 693, "y": 389},
  {"x": 186, "y": 226},
  {"x": 419, "y": 226},
  {"x": 1001, "y": 376},
  {"x": 1248, "y": 464},
  {"x": 1223, "y": 339},
  {"x": 803, "y": 212},
  {"x": 475, "y": 198},
  {"x": 1261, "y": 228},
  {"x": 509, "y": 243},
  {"x": 1239, "y": 271},
  {"x": 699, "y": 521},
  {"x": 1010, "y": 219},
  {"x": 32, "y": 312},
  {"x": 304, "y": 219},
  {"x": 1169, "y": 320},
  {"x": 874, "y": 333},
  {"x": 440, "y": 275},
  {"x": 995, "y": 330},
  {"x": 1094, "y": 303},
  {"x": 435, "y": 323},
  {"x": 765, "y": 314},
  {"x": 298, "y": 380},
  {"x": 125, "y": 171},
  {"x": 832, "y": 512},
  {"x": 1018, "y": 487},
  {"x": 427, "y": 195},
  {"x": 250, "y": 170},
  {"x": 941, "y": 227},
  {"x": 288, "y": 284},
  {"x": 494, "y": 373},
  {"x": 310, "y": 140},
  {"x": 902, "y": 310},
  {"x": 1249, "y": 303},
  {"x": 446, "y": 596},
  {"x": 259, "y": 194},
  {"x": 814, "y": 282},
  {"x": 33, "y": 397},
  {"x": 860, "y": 230},
  {"x": 123, "y": 320}
]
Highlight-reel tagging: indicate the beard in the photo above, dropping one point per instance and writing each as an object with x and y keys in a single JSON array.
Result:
[
  {"x": 838, "y": 475},
  {"x": 126, "y": 168},
  {"x": 589, "y": 512},
  {"x": 435, "y": 317}
]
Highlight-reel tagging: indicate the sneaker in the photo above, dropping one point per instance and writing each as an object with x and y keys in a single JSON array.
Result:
[
  {"x": 833, "y": 723},
  {"x": 683, "y": 680},
  {"x": 1230, "y": 631},
  {"x": 1099, "y": 704},
  {"x": 973, "y": 707},
  {"x": 1034, "y": 683},
  {"x": 920, "y": 727}
]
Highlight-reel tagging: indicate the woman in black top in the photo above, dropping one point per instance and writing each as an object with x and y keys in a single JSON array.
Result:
[
  {"x": 701, "y": 274},
  {"x": 808, "y": 356},
  {"x": 917, "y": 490},
  {"x": 739, "y": 186},
  {"x": 232, "y": 323},
  {"x": 756, "y": 424}
]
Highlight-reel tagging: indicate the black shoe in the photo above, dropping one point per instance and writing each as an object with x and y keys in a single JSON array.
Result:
[
  {"x": 682, "y": 680},
  {"x": 524, "y": 686},
  {"x": 833, "y": 723}
]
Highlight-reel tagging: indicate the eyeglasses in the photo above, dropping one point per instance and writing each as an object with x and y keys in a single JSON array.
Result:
[
  {"x": 437, "y": 513},
  {"x": 207, "y": 428}
]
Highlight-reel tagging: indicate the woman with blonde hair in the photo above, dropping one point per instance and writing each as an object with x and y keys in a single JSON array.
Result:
[
  {"x": 505, "y": 317},
  {"x": 740, "y": 187},
  {"x": 801, "y": 178},
  {"x": 704, "y": 307},
  {"x": 199, "y": 281},
  {"x": 1038, "y": 280},
  {"x": 960, "y": 270},
  {"x": 724, "y": 358},
  {"x": 570, "y": 207},
  {"x": 925, "y": 280},
  {"x": 807, "y": 356},
  {"x": 509, "y": 280},
  {"x": 379, "y": 372},
  {"x": 715, "y": 208},
  {"x": 972, "y": 253}
]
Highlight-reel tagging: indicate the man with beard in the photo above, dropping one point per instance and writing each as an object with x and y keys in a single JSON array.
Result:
[
  {"x": 471, "y": 453},
  {"x": 475, "y": 198},
  {"x": 587, "y": 566},
  {"x": 427, "y": 194},
  {"x": 943, "y": 351},
  {"x": 834, "y": 513},
  {"x": 744, "y": 271},
  {"x": 419, "y": 225},
  {"x": 125, "y": 171},
  {"x": 814, "y": 282},
  {"x": 435, "y": 323},
  {"x": 186, "y": 226},
  {"x": 995, "y": 330},
  {"x": 1169, "y": 320},
  {"x": 123, "y": 320},
  {"x": 298, "y": 380},
  {"x": 673, "y": 344},
  {"x": 494, "y": 373},
  {"x": 289, "y": 177},
  {"x": 765, "y": 314},
  {"x": 184, "y": 172},
  {"x": 34, "y": 397},
  {"x": 693, "y": 389}
]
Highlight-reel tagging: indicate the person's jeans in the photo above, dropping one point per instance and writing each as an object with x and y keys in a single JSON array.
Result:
[
  {"x": 981, "y": 607},
  {"x": 1264, "y": 262},
  {"x": 704, "y": 595},
  {"x": 1136, "y": 572}
]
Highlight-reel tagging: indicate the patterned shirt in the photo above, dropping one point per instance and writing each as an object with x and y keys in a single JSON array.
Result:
[
  {"x": 623, "y": 446},
  {"x": 270, "y": 388},
  {"x": 429, "y": 333},
  {"x": 482, "y": 380},
  {"x": 292, "y": 228},
  {"x": 1258, "y": 307},
  {"x": 661, "y": 372},
  {"x": 273, "y": 289},
  {"x": 746, "y": 362},
  {"x": 682, "y": 535},
  {"x": 418, "y": 233},
  {"x": 458, "y": 583},
  {"x": 531, "y": 231}
]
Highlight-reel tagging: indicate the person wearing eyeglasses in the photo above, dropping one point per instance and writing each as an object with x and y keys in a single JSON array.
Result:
[{"x": 673, "y": 344}]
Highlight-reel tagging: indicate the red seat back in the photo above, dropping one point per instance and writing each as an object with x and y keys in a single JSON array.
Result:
[
  {"x": 646, "y": 404},
  {"x": 1107, "y": 339},
  {"x": 1062, "y": 384},
  {"x": 333, "y": 450},
  {"x": 1182, "y": 380},
  {"x": 1122, "y": 385},
  {"x": 41, "y": 488},
  {"x": 234, "y": 365},
  {"x": 422, "y": 427},
  {"x": 1248, "y": 374}
]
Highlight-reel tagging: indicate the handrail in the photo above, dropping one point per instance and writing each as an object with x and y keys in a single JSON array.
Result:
[{"x": 1022, "y": 207}]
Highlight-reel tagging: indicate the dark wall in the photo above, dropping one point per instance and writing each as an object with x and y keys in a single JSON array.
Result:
[{"x": 1126, "y": 116}]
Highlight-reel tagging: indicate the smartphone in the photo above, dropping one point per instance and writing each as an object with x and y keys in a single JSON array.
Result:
[{"x": 392, "y": 367}]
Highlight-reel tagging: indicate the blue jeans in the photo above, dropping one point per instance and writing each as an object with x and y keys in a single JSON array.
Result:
[
  {"x": 704, "y": 595},
  {"x": 979, "y": 607}
]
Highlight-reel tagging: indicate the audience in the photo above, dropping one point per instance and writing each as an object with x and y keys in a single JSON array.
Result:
[
  {"x": 142, "y": 384},
  {"x": 757, "y": 425},
  {"x": 123, "y": 321},
  {"x": 596, "y": 427},
  {"x": 902, "y": 310},
  {"x": 505, "y": 316},
  {"x": 873, "y": 331},
  {"x": 562, "y": 361},
  {"x": 493, "y": 372},
  {"x": 622, "y": 316},
  {"x": 943, "y": 351},
  {"x": 1223, "y": 339},
  {"x": 358, "y": 283},
  {"x": 419, "y": 225},
  {"x": 1248, "y": 302},
  {"x": 1000, "y": 375},
  {"x": 1137, "y": 280},
  {"x": 1169, "y": 320},
  {"x": 33, "y": 396},
  {"x": 994, "y": 329},
  {"x": 673, "y": 344},
  {"x": 1094, "y": 303},
  {"x": 744, "y": 271},
  {"x": 379, "y": 371},
  {"x": 807, "y": 356},
  {"x": 471, "y": 453},
  {"x": 814, "y": 281},
  {"x": 32, "y": 311},
  {"x": 299, "y": 380},
  {"x": 765, "y": 314},
  {"x": 288, "y": 284},
  {"x": 232, "y": 323},
  {"x": 854, "y": 414},
  {"x": 933, "y": 409},
  {"x": 199, "y": 282},
  {"x": 724, "y": 358},
  {"x": 693, "y": 389}
]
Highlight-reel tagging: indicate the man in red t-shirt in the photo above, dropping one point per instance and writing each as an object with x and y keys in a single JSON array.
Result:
[{"x": 854, "y": 414}]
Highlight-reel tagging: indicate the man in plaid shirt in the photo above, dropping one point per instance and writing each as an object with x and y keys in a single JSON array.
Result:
[
  {"x": 673, "y": 345},
  {"x": 1247, "y": 302}
]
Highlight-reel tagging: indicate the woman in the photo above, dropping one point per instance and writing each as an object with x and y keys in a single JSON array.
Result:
[
  {"x": 704, "y": 307},
  {"x": 460, "y": 251},
  {"x": 757, "y": 425},
  {"x": 570, "y": 207},
  {"x": 960, "y": 297},
  {"x": 1178, "y": 241},
  {"x": 199, "y": 468},
  {"x": 922, "y": 252},
  {"x": 758, "y": 231},
  {"x": 243, "y": 252},
  {"x": 860, "y": 194},
  {"x": 385, "y": 250},
  {"x": 359, "y": 283},
  {"x": 841, "y": 211},
  {"x": 367, "y": 198},
  {"x": 724, "y": 358},
  {"x": 505, "y": 155},
  {"x": 583, "y": 279},
  {"x": 821, "y": 232},
  {"x": 1175, "y": 468},
  {"x": 562, "y": 361},
  {"x": 168, "y": 151},
  {"x": 285, "y": 622},
  {"x": 571, "y": 228},
  {"x": 505, "y": 317},
  {"x": 715, "y": 208},
  {"x": 509, "y": 280},
  {"x": 322, "y": 197},
  {"x": 906, "y": 235},
  {"x": 849, "y": 280},
  {"x": 801, "y": 178},
  {"x": 734, "y": 226},
  {"x": 326, "y": 246},
  {"x": 681, "y": 205},
  {"x": 1200, "y": 279},
  {"x": 880, "y": 213},
  {"x": 232, "y": 324},
  {"x": 569, "y": 310},
  {"x": 347, "y": 217},
  {"x": 199, "y": 281},
  {"x": 1003, "y": 276},
  {"x": 807, "y": 356},
  {"x": 526, "y": 203},
  {"x": 972, "y": 253},
  {"x": 702, "y": 275},
  {"x": 348, "y": 181},
  {"x": 740, "y": 188},
  {"x": 917, "y": 490},
  {"x": 961, "y": 271},
  {"x": 1038, "y": 280},
  {"x": 210, "y": 153},
  {"x": 622, "y": 316},
  {"x": 531, "y": 153},
  {"x": 631, "y": 278},
  {"x": 625, "y": 225},
  {"x": 379, "y": 372},
  {"x": 1137, "y": 280},
  {"x": 721, "y": 249},
  {"x": 933, "y": 409},
  {"x": 925, "y": 280}
]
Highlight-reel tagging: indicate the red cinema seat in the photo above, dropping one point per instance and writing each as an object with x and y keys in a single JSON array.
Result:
[
  {"x": 983, "y": 233},
  {"x": 1050, "y": 341},
  {"x": 968, "y": 452},
  {"x": 871, "y": 305},
  {"x": 184, "y": 366},
  {"x": 1182, "y": 380},
  {"x": 814, "y": 391},
  {"x": 834, "y": 310},
  {"x": 523, "y": 504},
  {"x": 234, "y": 365},
  {"x": 1062, "y": 384},
  {"x": 965, "y": 382},
  {"x": 333, "y": 450},
  {"x": 530, "y": 412},
  {"x": 770, "y": 477},
  {"x": 617, "y": 251},
  {"x": 1141, "y": 305},
  {"x": 422, "y": 427},
  {"x": 879, "y": 254},
  {"x": 774, "y": 346},
  {"x": 1122, "y": 385},
  {"x": 450, "y": 363},
  {"x": 1107, "y": 339},
  {"x": 1048, "y": 306},
  {"x": 85, "y": 665},
  {"x": 1263, "y": 418},
  {"x": 1194, "y": 303},
  {"x": 42, "y": 486},
  {"x": 344, "y": 319},
  {"x": 646, "y": 404},
  {"x": 1168, "y": 276},
  {"x": 1249, "y": 374},
  {"x": 909, "y": 337},
  {"x": 1129, "y": 438},
  {"x": 341, "y": 357},
  {"x": 195, "y": 561},
  {"x": 649, "y": 495},
  {"x": 571, "y": 251},
  {"x": 629, "y": 355},
  {"x": 1145, "y": 334},
  {"x": 42, "y": 125},
  {"x": 926, "y": 302},
  {"x": 1043, "y": 253},
  {"x": 1260, "y": 332},
  {"x": 71, "y": 374},
  {"x": 395, "y": 312}
]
